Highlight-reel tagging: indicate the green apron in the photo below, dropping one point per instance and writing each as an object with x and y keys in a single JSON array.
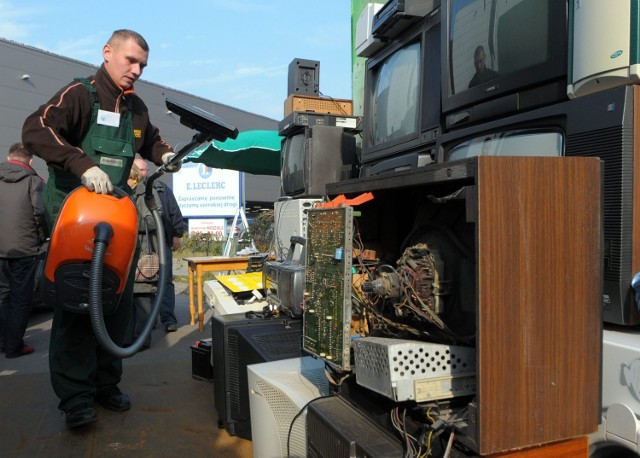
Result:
[
  {"x": 79, "y": 367},
  {"x": 112, "y": 148}
]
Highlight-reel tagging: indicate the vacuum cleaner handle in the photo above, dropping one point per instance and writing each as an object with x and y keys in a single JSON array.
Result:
[
  {"x": 119, "y": 192},
  {"x": 197, "y": 140}
]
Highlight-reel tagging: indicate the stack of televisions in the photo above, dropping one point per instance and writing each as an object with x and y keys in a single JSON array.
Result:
[
  {"x": 319, "y": 144},
  {"x": 553, "y": 87},
  {"x": 549, "y": 94}
]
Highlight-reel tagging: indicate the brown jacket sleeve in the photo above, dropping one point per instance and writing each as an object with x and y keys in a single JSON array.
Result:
[{"x": 55, "y": 131}]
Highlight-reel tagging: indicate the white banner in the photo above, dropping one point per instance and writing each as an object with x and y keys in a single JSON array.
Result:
[{"x": 203, "y": 191}]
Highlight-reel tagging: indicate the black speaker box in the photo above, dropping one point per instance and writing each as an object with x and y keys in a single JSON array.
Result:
[{"x": 304, "y": 77}]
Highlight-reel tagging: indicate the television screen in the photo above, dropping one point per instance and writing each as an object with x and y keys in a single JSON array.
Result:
[
  {"x": 517, "y": 142},
  {"x": 402, "y": 94},
  {"x": 500, "y": 47},
  {"x": 600, "y": 125},
  {"x": 293, "y": 165},
  {"x": 395, "y": 105}
]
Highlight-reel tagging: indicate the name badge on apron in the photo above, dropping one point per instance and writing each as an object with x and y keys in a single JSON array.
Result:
[{"x": 108, "y": 118}]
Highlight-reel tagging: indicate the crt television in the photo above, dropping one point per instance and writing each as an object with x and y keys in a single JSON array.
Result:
[
  {"x": 315, "y": 156},
  {"x": 284, "y": 282},
  {"x": 284, "y": 286},
  {"x": 402, "y": 93},
  {"x": 239, "y": 340},
  {"x": 278, "y": 395},
  {"x": 501, "y": 57},
  {"x": 599, "y": 125},
  {"x": 335, "y": 427}
]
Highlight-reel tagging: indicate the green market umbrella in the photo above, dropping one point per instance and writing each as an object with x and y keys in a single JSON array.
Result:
[{"x": 253, "y": 151}]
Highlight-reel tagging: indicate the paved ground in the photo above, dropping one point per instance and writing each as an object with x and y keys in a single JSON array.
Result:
[{"x": 172, "y": 413}]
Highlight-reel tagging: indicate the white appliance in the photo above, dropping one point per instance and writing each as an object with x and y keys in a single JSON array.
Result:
[
  {"x": 290, "y": 220},
  {"x": 278, "y": 391},
  {"x": 601, "y": 52}
]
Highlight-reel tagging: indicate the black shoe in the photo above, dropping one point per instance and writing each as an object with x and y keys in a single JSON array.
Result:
[
  {"x": 113, "y": 399},
  {"x": 25, "y": 350},
  {"x": 170, "y": 327},
  {"x": 81, "y": 415}
]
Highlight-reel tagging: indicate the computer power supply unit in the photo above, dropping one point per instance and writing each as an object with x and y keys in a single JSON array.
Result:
[{"x": 404, "y": 370}]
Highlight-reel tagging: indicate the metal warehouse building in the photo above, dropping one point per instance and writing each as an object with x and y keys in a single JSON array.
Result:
[{"x": 29, "y": 77}]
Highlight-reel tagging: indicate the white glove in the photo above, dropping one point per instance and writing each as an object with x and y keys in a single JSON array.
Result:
[
  {"x": 173, "y": 168},
  {"x": 95, "y": 179}
]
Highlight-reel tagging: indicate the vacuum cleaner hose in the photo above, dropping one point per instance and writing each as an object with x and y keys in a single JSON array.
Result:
[
  {"x": 103, "y": 232},
  {"x": 103, "y": 235}
]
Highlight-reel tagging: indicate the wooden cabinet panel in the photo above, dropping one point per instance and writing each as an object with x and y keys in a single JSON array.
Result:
[{"x": 539, "y": 288}]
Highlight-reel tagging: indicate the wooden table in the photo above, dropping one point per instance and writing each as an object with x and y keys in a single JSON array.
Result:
[{"x": 201, "y": 264}]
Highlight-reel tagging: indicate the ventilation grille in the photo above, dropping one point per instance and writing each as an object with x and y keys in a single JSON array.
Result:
[
  {"x": 324, "y": 442},
  {"x": 233, "y": 372},
  {"x": 614, "y": 146},
  {"x": 336, "y": 428},
  {"x": 400, "y": 368},
  {"x": 279, "y": 346}
]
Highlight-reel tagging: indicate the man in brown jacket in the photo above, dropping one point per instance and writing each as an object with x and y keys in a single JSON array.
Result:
[{"x": 88, "y": 134}]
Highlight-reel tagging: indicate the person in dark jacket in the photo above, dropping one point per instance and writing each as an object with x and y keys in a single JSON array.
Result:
[
  {"x": 23, "y": 233},
  {"x": 145, "y": 287},
  {"x": 173, "y": 225},
  {"x": 483, "y": 73},
  {"x": 88, "y": 134}
]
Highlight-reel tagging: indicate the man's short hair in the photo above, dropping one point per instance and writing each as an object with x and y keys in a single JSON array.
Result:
[
  {"x": 126, "y": 34},
  {"x": 479, "y": 50},
  {"x": 18, "y": 151}
]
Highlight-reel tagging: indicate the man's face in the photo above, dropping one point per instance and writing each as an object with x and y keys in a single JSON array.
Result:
[
  {"x": 124, "y": 61},
  {"x": 480, "y": 62},
  {"x": 143, "y": 167}
]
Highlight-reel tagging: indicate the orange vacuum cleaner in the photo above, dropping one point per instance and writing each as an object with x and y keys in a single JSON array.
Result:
[
  {"x": 89, "y": 258},
  {"x": 89, "y": 223}
]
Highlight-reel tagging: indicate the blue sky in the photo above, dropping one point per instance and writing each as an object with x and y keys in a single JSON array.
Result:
[{"x": 229, "y": 51}]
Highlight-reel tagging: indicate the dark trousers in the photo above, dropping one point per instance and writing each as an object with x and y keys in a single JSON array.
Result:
[
  {"x": 142, "y": 304},
  {"x": 168, "y": 306},
  {"x": 16, "y": 293},
  {"x": 79, "y": 366}
]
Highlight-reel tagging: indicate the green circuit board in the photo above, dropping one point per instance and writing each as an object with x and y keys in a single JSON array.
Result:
[{"x": 327, "y": 292}]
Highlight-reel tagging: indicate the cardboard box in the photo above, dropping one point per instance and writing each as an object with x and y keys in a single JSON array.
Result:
[{"x": 322, "y": 105}]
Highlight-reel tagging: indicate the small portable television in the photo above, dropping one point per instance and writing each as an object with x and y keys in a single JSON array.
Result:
[{"x": 315, "y": 156}]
